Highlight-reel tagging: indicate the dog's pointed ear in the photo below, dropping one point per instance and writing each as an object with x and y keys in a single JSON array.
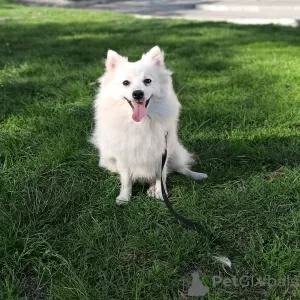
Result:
[
  {"x": 113, "y": 60},
  {"x": 156, "y": 55}
]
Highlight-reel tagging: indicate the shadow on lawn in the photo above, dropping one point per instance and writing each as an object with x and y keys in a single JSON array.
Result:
[
  {"x": 194, "y": 50},
  {"x": 204, "y": 48},
  {"x": 233, "y": 159}
]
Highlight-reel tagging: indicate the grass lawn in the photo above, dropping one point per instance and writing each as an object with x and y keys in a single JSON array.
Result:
[{"x": 62, "y": 235}]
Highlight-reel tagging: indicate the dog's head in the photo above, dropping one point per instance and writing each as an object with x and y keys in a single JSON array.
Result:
[{"x": 139, "y": 83}]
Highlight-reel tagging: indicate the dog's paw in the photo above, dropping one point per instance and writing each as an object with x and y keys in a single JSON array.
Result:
[
  {"x": 155, "y": 193},
  {"x": 122, "y": 199}
]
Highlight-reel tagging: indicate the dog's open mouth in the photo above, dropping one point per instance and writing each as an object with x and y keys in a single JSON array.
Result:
[{"x": 139, "y": 109}]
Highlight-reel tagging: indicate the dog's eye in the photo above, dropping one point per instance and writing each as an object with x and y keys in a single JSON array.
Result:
[
  {"x": 126, "y": 82},
  {"x": 147, "y": 81}
]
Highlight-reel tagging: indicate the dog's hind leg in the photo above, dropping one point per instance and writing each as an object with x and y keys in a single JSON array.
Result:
[{"x": 155, "y": 188}]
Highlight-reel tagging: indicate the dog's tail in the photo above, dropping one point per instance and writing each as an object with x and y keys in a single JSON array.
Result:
[
  {"x": 193, "y": 175},
  {"x": 181, "y": 160}
]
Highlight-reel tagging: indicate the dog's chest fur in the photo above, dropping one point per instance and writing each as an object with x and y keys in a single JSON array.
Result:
[{"x": 138, "y": 146}]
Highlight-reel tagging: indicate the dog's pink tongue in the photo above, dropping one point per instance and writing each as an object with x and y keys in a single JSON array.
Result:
[{"x": 139, "y": 111}]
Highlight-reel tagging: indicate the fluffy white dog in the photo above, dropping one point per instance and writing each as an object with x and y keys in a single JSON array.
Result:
[{"x": 136, "y": 108}]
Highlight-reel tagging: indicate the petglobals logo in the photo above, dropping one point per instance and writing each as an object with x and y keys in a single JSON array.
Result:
[
  {"x": 198, "y": 289},
  {"x": 247, "y": 281}
]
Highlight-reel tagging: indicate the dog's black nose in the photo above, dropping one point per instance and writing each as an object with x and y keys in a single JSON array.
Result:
[{"x": 138, "y": 95}]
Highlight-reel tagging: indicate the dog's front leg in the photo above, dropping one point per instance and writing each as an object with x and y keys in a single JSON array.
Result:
[
  {"x": 155, "y": 188},
  {"x": 126, "y": 185}
]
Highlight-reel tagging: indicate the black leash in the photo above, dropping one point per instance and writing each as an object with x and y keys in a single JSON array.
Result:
[{"x": 215, "y": 241}]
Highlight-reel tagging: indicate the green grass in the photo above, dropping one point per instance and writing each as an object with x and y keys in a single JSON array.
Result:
[{"x": 61, "y": 234}]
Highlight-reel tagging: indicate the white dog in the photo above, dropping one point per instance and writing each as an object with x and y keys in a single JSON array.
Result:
[{"x": 136, "y": 108}]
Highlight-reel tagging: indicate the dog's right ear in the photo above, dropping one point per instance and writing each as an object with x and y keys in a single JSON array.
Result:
[
  {"x": 113, "y": 60},
  {"x": 156, "y": 56}
]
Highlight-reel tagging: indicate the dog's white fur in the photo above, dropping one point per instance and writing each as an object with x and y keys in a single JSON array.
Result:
[{"x": 134, "y": 149}]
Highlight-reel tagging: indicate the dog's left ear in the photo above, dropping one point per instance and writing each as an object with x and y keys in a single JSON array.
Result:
[
  {"x": 114, "y": 60},
  {"x": 156, "y": 55}
]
